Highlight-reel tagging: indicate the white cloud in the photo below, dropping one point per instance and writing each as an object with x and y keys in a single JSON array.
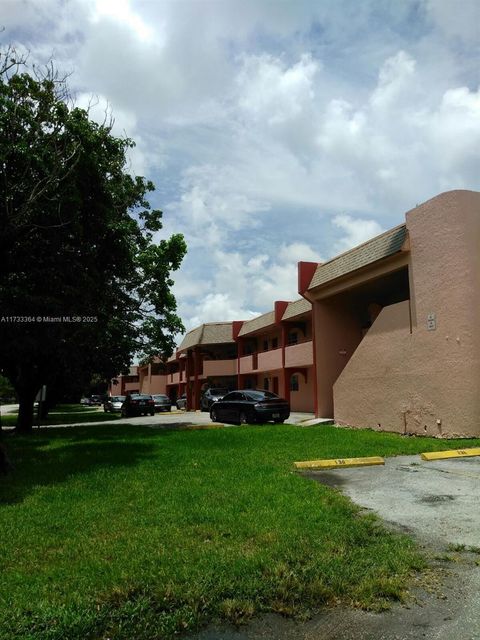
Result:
[
  {"x": 356, "y": 231},
  {"x": 120, "y": 11},
  {"x": 395, "y": 82},
  {"x": 271, "y": 91},
  {"x": 275, "y": 132}
]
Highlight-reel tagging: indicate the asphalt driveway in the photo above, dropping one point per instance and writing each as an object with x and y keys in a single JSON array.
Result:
[{"x": 438, "y": 504}]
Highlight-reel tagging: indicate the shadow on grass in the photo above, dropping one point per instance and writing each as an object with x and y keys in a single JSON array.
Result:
[{"x": 52, "y": 456}]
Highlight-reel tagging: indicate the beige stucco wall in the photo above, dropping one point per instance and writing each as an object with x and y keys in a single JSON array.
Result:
[
  {"x": 219, "y": 368},
  {"x": 299, "y": 355},
  {"x": 426, "y": 382},
  {"x": 302, "y": 400},
  {"x": 337, "y": 335},
  {"x": 268, "y": 360}
]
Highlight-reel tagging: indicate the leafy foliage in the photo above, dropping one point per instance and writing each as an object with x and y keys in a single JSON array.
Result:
[{"x": 76, "y": 241}]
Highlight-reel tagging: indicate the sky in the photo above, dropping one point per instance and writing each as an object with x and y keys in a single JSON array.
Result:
[{"x": 274, "y": 130}]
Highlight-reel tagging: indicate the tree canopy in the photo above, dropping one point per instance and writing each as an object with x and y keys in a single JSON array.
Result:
[{"x": 84, "y": 284}]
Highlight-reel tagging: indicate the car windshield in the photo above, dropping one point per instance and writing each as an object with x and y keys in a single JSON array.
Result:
[
  {"x": 117, "y": 398},
  {"x": 218, "y": 392},
  {"x": 261, "y": 395},
  {"x": 138, "y": 396},
  {"x": 157, "y": 397}
]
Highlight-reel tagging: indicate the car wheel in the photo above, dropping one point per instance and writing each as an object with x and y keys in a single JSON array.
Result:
[
  {"x": 278, "y": 421},
  {"x": 242, "y": 417},
  {"x": 214, "y": 415},
  {"x": 152, "y": 413}
]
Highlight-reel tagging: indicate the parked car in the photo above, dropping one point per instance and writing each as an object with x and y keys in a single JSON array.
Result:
[
  {"x": 114, "y": 403},
  {"x": 97, "y": 400},
  {"x": 162, "y": 402},
  {"x": 182, "y": 401},
  {"x": 210, "y": 396},
  {"x": 93, "y": 401},
  {"x": 137, "y": 404},
  {"x": 248, "y": 406}
]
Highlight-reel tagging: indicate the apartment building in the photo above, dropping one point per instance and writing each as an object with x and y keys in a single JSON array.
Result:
[
  {"x": 386, "y": 335},
  {"x": 124, "y": 384},
  {"x": 396, "y": 324}
]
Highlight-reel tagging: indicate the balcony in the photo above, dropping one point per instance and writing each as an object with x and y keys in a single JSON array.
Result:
[
  {"x": 248, "y": 363},
  {"x": 299, "y": 355},
  {"x": 270, "y": 360},
  {"x": 220, "y": 368},
  {"x": 174, "y": 378}
]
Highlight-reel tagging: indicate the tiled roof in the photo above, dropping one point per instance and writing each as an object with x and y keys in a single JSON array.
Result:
[
  {"x": 211, "y": 333},
  {"x": 375, "y": 249},
  {"x": 297, "y": 308},
  {"x": 262, "y": 321}
]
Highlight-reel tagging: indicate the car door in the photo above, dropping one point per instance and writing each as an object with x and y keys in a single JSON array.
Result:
[
  {"x": 228, "y": 406},
  {"x": 242, "y": 406}
]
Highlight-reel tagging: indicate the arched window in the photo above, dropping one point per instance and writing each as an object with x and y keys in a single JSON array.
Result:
[{"x": 294, "y": 383}]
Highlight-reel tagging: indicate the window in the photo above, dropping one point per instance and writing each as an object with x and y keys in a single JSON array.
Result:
[
  {"x": 274, "y": 343},
  {"x": 265, "y": 345},
  {"x": 294, "y": 383},
  {"x": 265, "y": 384},
  {"x": 292, "y": 338}
]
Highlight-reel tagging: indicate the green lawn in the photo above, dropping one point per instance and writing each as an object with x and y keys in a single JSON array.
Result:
[
  {"x": 65, "y": 414},
  {"x": 126, "y": 532}
]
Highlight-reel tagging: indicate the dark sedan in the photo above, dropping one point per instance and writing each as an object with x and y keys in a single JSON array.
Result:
[
  {"x": 248, "y": 406},
  {"x": 162, "y": 402},
  {"x": 137, "y": 404}
]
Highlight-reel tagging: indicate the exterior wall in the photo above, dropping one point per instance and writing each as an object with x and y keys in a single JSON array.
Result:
[
  {"x": 302, "y": 400},
  {"x": 219, "y": 368},
  {"x": 299, "y": 355},
  {"x": 158, "y": 384},
  {"x": 130, "y": 387},
  {"x": 427, "y": 381}
]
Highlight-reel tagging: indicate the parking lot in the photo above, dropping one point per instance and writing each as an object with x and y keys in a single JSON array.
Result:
[{"x": 165, "y": 419}]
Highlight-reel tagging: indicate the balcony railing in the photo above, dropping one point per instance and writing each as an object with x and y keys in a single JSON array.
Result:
[
  {"x": 220, "y": 367},
  {"x": 247, "y": 363},
  {"x": 299, "y": 355},
  {"x": 269, "y": 360}
]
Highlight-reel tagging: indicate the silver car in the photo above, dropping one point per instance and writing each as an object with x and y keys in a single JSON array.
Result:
[{"x": 114, "y": 403}]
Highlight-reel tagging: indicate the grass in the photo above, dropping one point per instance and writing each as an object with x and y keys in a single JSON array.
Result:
[
  {"x": 65, "y": 414},
  {"x": 127, "y": 532}
]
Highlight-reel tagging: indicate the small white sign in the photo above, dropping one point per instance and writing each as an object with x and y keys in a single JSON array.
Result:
[{"x": 431, "y": 322}]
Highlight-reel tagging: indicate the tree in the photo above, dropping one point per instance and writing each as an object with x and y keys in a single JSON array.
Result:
[{"x": 83, "y": 285}]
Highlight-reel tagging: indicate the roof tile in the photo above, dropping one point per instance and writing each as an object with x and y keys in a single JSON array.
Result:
[{"x": 375, "y": 249}]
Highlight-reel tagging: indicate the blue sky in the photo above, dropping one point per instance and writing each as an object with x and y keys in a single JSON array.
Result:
[{"x": 275, "y": 131}]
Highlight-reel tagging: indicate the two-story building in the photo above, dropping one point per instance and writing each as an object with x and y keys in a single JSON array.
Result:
[{"x": 386, "y": 335}]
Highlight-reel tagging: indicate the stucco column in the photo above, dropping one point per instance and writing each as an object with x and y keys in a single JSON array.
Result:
[
  {"x": 189, "y": 370},
  {"x": 337, "y": 335}
]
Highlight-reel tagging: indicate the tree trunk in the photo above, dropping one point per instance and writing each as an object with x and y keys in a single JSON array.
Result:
[{"x": 26, "y": 398}]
